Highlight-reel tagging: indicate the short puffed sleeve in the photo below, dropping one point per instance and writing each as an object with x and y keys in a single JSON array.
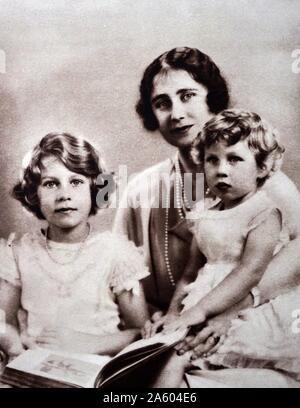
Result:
[
  {"x": 128, "y": 265},
  {"x": 8, "y": 266},
  {"x": 261, "y": 217},
  {"x": 285, "y": 194}
]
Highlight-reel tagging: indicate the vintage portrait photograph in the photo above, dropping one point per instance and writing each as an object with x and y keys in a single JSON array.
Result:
[{"x": 150, "y": 204}]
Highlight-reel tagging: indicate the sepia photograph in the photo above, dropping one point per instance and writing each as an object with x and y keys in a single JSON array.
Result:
[{"x": 150, "y": 204}]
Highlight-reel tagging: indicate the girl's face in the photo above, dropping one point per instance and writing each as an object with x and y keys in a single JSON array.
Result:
[
  {"x": 179, "y": 104},
  {"x": 231, "y": 172},
  {"x": 65, "y": 197}
]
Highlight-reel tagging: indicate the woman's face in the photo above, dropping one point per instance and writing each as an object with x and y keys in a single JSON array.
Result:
[{"x": 179, "y": 104}]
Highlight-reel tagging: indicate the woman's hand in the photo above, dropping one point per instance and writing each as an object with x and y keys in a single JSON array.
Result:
[{"x": 208, "y": 339}]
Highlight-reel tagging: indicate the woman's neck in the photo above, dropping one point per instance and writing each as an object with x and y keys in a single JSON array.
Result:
[
  {"x": 187, "y": 163},
  {"x": 194, "y": 187},
  {"x": 68, "y": 235}
]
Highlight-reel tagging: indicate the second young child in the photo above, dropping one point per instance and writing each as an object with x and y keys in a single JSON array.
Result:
[
  {"x": 236, "y": 239},
  {"x": 66, "y": 286}
]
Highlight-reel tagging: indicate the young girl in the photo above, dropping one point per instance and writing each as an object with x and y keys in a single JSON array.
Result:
[
  {"x": 240, "y": 234},
  {"x": 66, "y": 286}
]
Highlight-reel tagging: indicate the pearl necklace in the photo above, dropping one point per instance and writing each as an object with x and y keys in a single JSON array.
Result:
[
  {"x": 180, "y": 198},
  {"x": 166, "y": 252},
  {"x": 64, "y": 287},
  {"x": 78, "y": 252}
]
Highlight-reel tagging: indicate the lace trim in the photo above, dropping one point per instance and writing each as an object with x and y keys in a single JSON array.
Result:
[
  {"x": 129, "y": 268},
  {"x": 8, "y": 267}
]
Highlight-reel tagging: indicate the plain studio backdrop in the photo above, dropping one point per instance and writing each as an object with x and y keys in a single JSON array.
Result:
[{"x": 76, "y": 65}]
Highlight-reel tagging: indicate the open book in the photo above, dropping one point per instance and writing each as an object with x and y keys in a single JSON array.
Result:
[{"x": 43, "y": 368}]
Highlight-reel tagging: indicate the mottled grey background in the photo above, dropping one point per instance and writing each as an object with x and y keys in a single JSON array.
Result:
[{"x": 76, "y": 66}]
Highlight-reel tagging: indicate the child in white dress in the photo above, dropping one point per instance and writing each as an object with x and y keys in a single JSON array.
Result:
[
  {"x": 66, "y": 286},
  {"x": 238, "y": 236}
]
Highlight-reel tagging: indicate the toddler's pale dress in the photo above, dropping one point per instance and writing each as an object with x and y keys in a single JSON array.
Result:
[
  {"x": 261, "y": 349},
  {"x": 221, "y": 237}
]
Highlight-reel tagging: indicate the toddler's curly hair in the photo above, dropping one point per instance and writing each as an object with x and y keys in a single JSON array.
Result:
[{"x": 234, "y": 125}]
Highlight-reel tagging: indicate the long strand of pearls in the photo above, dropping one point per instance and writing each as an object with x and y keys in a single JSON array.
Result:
[
  {"x": 166, "y": 251},
  {"x": 180, "y": 197}
]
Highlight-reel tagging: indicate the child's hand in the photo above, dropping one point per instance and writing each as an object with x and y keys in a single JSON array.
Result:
[
  {"x": 10, "y": 341},
  {"x": 28, "y": 342},
  {"x": 61, "y": 338},
  {"x": 191, "y": 317},
  {"x": 158, "y": 321},
  {"x": 147, "y": 330},
  {"x": 53, "y": 338}
]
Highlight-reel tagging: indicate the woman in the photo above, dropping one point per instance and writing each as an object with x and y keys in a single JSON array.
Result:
[
  {"x": 179, "y": 92},
  {"x": 178, "y": 105}
]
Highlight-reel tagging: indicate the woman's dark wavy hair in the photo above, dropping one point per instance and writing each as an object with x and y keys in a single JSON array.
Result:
[
  {"x": 77, "y": 154},
  {"x": 202, "y": 69}
]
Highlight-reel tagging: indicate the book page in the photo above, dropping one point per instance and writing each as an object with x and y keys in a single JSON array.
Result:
[
  {"x": 170, "y": 338},
  {"x": 77, "y": 369}
]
